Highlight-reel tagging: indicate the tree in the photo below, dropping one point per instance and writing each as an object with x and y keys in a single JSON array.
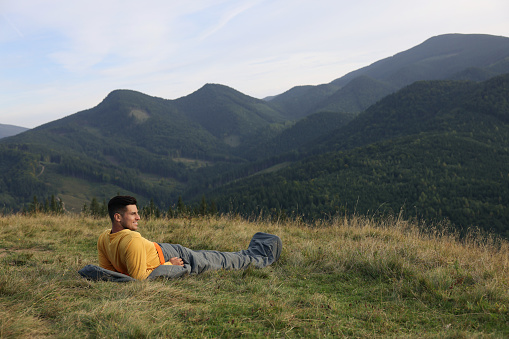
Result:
[
  {"x": 95, "y": 209},
  {"x": 202, "y": 210},
  {"x": 151, "y": 210},
  {"x": 181, "y": 207}
]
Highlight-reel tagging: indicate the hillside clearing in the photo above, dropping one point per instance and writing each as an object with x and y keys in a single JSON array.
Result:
[{"x": 350, "y": 277}]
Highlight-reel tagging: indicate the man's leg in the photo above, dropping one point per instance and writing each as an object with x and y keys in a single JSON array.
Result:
[{"x": 263, "y": 250}]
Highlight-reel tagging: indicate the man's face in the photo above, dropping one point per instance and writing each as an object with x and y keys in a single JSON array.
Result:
[{"x": 129, "y": 219}]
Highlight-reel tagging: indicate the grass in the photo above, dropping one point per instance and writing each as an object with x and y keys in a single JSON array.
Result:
[{"x": 351, "y": 277}]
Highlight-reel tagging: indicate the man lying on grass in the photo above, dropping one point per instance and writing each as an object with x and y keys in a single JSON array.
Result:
[{"x": 124, "y": 250}]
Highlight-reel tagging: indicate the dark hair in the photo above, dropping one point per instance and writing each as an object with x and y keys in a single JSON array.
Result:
[{"x": 118, "y": 204}]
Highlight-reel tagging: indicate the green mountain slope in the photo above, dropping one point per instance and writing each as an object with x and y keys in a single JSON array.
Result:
[
  {"x": 300, "y": 101},
  {"x": 357, "y": 95},
  {"x": 127, "y": 118},
  {"x": 426, "y": 107},
  {"x": 435, "y": 149},
  {"x": 121, "y": 143},
  {"x": 19, "y": 171},
  {"x": 226, "y": 112},
  {"x": 304, "y": 132}
]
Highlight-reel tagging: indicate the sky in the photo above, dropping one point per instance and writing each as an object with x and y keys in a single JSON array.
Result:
[{"x": 60, "y": 57}]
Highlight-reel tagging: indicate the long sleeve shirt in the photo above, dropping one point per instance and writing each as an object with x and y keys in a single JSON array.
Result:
[{"x": 127, "y": 252}]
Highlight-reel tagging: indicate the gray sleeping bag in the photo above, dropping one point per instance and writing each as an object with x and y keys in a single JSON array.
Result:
[{"x": 264, "y": 249}]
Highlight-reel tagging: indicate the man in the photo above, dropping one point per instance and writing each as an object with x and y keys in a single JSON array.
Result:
[{"x": 124, "y": 250}]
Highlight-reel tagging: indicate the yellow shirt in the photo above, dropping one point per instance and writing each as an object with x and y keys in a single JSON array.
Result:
[{"x": 127, "y": 252}]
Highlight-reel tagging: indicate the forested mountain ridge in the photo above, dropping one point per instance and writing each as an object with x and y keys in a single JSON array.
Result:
[
  {"x": 436, "y": 149},
  {"x": 130, "y": 139},
  {"x": 197, "y": 126},
  {"x": 357, "y": 95},
  {"x": 415, "y": 148},
  {"x": 224, "y": 111},
  {"x": 301, "y": 101},
  {"x": 474, "y": 57},
  {"x": 425, "y": 106},
  {"x": 167, "y": 125},
  {"x": 305, "y": 131}
]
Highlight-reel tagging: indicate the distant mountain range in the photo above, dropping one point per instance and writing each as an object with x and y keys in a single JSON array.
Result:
[
  {"x": 10, "y": 130},
  {"x": 475, "y": 57},
  {"x": 425, "y": 131}
]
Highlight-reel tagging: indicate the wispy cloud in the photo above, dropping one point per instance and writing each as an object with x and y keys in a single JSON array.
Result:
[
  {"x": 227, "y": 15},
  {"x": 58, "y": 57},
  {"x": 12, "y": 26}
]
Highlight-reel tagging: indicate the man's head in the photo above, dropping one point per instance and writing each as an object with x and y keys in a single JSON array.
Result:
[
  {"x": 118, "y": 204},
  {"x": 123, "y": 213}
]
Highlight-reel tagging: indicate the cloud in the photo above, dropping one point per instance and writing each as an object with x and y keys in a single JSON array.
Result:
[
  {"x": 14, "y": 28},
  {"x": 226, "y": 16},
  {"x": 51, "y": 48}
]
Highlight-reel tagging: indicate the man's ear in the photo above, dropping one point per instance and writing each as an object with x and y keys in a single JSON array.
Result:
[{"x": 117, "y": 217}]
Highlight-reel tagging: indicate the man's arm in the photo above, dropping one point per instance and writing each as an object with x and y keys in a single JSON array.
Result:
[{"x": 104, "y": 262}]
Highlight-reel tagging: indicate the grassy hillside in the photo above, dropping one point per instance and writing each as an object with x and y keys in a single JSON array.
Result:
[{"x": 348, "y": 277}]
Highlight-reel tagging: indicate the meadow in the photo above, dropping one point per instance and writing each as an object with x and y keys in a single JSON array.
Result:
[{"x": 347, "y": 277}]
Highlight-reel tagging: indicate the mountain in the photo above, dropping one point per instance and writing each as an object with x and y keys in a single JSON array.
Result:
[
  {"x": 474, "y": 57},
  {"x": 357, "y": 95},
  {"x": 141, "y": 144},
  {"x": 434, "y": 150},
  {"x": 438, "y": 58},
  {"x": 302, "y": 100},
  {"x": 226, "y": 113},
  {"x": 425, "y": 106},
  {"x": 10, "y": 130},
  {"x": 301, "y": 133}
]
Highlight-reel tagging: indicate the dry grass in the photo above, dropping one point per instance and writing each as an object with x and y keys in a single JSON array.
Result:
[{"x": 349, "y": 277}]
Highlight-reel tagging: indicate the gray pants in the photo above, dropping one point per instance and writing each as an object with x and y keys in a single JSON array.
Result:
[{"x": 263, "y": 250}]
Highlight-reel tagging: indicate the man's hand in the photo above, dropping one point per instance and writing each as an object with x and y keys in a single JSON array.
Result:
[{"x": 177, "y": 261}]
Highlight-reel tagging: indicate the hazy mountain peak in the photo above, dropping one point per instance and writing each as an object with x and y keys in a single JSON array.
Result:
[
  {"x": 441, "y": 57},
  {"x": 10, "y": 130},
  {"x": 436, "y": 58},
  {"x": 213, "y": 91}
]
